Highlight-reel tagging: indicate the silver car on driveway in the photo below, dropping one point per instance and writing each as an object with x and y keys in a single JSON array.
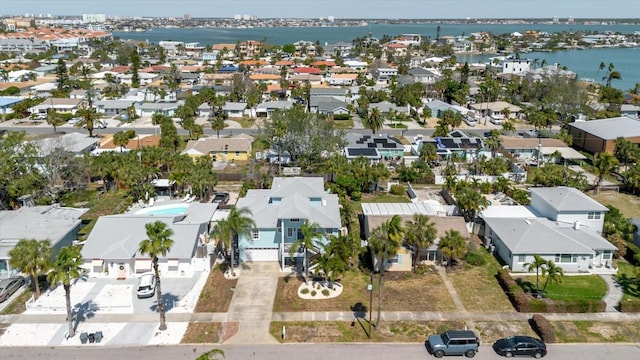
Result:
[{"x": 9, "y": 286}]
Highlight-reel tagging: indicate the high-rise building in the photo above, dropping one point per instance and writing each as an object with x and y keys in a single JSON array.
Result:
[{"x": 94, "y": 18}]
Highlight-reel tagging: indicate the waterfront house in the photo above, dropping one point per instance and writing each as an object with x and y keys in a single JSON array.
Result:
[
  {"x": 596, "y": 136},
  {"x": 279, "y": 213}
]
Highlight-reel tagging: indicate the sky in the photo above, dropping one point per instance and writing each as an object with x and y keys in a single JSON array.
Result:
[{"x": 370, "y": 9}]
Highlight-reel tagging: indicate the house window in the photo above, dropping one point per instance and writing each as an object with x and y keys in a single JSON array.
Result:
[
  {"x": 593, "y": 215},
  {"x": 255, "y": 233},
  {"x": 328, "y": 230},
  {"x": 295, "y": 220},
  {"x": 237, "y": 153},
  {"x": 289, "y": 232},
  {"x": 606, "y": 255},
  {"x": 566, "y": 258},
  {"x": 522, "y": 258},
  {"x": 395, "y": 260}
]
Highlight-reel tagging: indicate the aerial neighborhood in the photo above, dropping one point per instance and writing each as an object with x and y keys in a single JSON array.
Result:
[{"x": 260, "y": 183}]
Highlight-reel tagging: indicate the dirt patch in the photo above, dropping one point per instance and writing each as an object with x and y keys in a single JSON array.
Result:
[
  {"x": 217, "y": 292},
  {"x": 490, "y": 331},
  {"x": 401, "y": 291},
  {"x": 628, "y": 204},
  {"x": 202, "y": 333}
]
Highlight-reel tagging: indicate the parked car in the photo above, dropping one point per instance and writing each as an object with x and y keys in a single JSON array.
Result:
[
  {"x": 469, "y": 121},
  {"x": 146, "y": 285},
  {"x": 495, "y": 120},
  {"x": 453, "y": 342},
  {"x": 9, "y": 286},
  {"x": 221, "y": 198},
  {"x": 520, "y": 345},
  {"x": 74, "y": 121}
]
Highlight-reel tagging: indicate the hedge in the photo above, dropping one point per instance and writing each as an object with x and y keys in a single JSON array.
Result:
[
  {"x": 630, "y": 305},
  {"x": 341, "y": 116},
  {"x": 543, "y": 328}
]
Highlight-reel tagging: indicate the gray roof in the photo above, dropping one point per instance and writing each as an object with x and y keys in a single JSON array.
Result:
[
  {"x": 418, "y": 71},
  {"x": 160, "y": 106},
  {"x": 327, "y": 92},
  {"x": 543, "y": 236},
  {"x": 329, "y": 104},
  {"x": 50, "y": 222},
  {"x": 385, "y": 107},
  {"x": 234, "y": 106},
  {"x": 563, "y": 198},
  {"x": 610, "y": 129},
  {"x": 381, "y": 141},
  {"x": 295, "y": 194},
  {"x": 283, "y": 105},
  {"x": 115, "y": 104},
  {"x": 72, "y": 142},
  {"x": 117, "y": 237}
]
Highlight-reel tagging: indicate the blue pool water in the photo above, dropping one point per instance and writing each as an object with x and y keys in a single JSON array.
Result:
[{"x": 166, "y": 210}]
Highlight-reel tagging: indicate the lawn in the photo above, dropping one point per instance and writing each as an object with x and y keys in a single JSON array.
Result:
[
  {"x": 478, "y": 288},
  {"x": 401, "y": 291},
  {"x": 596, "y": 331},
  {"x": 342, "y": 124},
  {"x": 217, "y": 292},
  {"x": 245, "y": 122},
  {"x": 571, "y": 287},
  {"x": 628, "y": 204},
  {"x": 628, "y": 279},
  {"x": 99, "y": 204},
  {"x": 202, "y": 333}
]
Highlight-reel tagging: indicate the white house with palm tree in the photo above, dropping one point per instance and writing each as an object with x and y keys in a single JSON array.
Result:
[{"x": 279, "y": 214}]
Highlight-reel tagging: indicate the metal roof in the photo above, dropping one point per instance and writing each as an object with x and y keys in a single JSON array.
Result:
[{"x": 610, "y": 129}]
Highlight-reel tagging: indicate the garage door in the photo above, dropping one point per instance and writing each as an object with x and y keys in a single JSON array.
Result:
[{"x": 261, "y": 254}]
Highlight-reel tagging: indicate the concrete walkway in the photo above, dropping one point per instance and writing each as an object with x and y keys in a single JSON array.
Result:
[
  {"x": 462, "y": 311},
  {"x": 614, "y": 293},
  {"x": 252, "y": 303}
]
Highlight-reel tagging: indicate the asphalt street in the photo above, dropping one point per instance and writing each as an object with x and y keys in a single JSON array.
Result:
[{"x": 306, "y": 352}]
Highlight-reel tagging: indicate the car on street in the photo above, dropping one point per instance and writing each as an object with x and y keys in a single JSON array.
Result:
[
  {"x": 146, "y": 285},
  {"x": 520, "y": 345},
  {"x": 453, "y": 342},
  {"x": 9, "y": 286}
]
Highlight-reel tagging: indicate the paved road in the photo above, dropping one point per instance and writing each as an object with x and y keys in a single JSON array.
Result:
[{"x": 304, "y": 351}]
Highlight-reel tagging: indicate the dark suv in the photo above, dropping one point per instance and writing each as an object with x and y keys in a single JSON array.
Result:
[{"x": 453, "y": 342}]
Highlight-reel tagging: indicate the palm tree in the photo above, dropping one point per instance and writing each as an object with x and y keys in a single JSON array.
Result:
[
  {"x": 66, "y": 268},
  {"x": 308, "y": 238},
  {"x": 419, "y": 234},
  {"x": 539, "y": 265},
  {"x": 159, "y": 242},
  {"x": 604, "y": 163},
  {"x": 508, "y": 127},
  {"x": 384, "y": 243},
  {"x": 217, "y": 124},
  {"x": 470, "y": 202},
  {"x": 554, "y": 274},
  {"x": 88, "y": 118},
  {"x": 32, "y": 257},
  {"x": 452, "y": 245},
  {"x": 54, "y": 119},
  {"x": 374, "y": 120},
  {"x": 240, "y": 223}
]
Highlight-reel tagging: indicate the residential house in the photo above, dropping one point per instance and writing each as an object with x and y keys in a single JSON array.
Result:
[
  {"x": 164, "y": 108},
  {"x": 423, "y": 76},
  {"x": 631, "y": 111},
  {"x": 596, "y": 136},
  {"x": 374, "y": 214},
  {"x": 61, "y": 105},
  {"x": 376, "y": 148},
  {"x": 76, "y": 143},
  {"x": 225, "y": 149},
  {"x": 111, "y": 250},
  {"x": 113, "y": 107},
  {"x": 330, "y": 107},
  {"x": 58, "y": 224},
  {"x": 386, "y": 108},
  {"x": 249, "y": 48},
  {"x": 342, "y": 79},
  {"x": 459, "y": 143},
  {"x": 543, "y": 150},
  {"x": 496, "y": 108},
  {"x": 7, "y": 103},
  {"x": 280, "y": 212},
  {"x": 265, "y": 109},
  {"x": 383, "y": 75},
  {"x": 562, "y": 224},
  {"x": 234, "y": 109}
]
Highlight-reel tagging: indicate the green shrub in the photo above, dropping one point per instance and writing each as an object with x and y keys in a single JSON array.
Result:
[
  {"x": 341, "y": 117},
  {"x": 313, "y": 293},
  {"x": 398, "y": 190},
  {"x": 475, "y": 258},
  {"x": 304, "y": 291},
  {"x": 325, "y": 292},
  {"x": 356, "y": 196},
  {"x": 543, "y": 328}
]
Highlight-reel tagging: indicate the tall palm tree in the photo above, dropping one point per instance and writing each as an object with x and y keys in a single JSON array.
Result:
[
  {"x": 374, "y": 120},
  {"x": 32, "y": 257},
  {"x": 55, "y": 119},
  {"x": 470, "y": 202},
  {"x": 384, "y": 243},
  {"x": 240, "y": 223},
  {"x": 88, "y": 117},
  {"x": 159, "y": 243},
  {"x": 217, "y": 124},
  {"x": 539, "y": 265},
  {"x": 604, "y": 163},
  {"x": 308, "y": 238},
  {"x": 554, "y": 274},
  {"x": 419, "y": 234},
  {"x": 452, "y": 245},
  {"x": 66, "y": 268}
]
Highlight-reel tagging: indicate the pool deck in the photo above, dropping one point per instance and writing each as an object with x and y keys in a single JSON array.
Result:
[{"x": 136, "y": 207}]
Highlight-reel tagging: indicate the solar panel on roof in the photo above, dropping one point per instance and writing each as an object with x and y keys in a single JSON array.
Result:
[
  {"x": 372, "y": 145},
  {"x": 362, "y": 152},
  {"x": 449, "y": 143}
]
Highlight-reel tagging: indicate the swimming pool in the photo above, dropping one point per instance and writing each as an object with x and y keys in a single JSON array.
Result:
[{"x": 171, "y": 209}]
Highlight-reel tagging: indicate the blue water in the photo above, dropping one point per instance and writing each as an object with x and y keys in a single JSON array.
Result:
[
  {"x": 168, "y": 211},
  {"x": 583, "y": 62}
]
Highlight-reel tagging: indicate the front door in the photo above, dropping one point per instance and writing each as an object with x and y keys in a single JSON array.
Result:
[{"x": 122, "y": 271}]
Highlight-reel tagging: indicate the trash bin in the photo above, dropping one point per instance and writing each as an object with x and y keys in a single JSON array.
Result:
[
  {"x": 98, "y": 336},
  {"x": 92, "y": 338},
  {"x": 84, "y": 337}
]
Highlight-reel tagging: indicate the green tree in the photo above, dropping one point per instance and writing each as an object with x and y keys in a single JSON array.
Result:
[
  {"x": 55, "y": 119},
  {"x": 88, "y": 117},
  {"x": 239, "y": 223},
  {"x": 384, "y": 243},
  {"x": 539, "y": 265},
  {"x": 554, "y": 274},
  {"x": 470, "y": 202},
  {"x": 374, "y": 120},
  {"x": 603, "y": 164},
  {"x": 121, "y": 138},
  {"x": 32, "y": 257},
  {"x": 158, "y": 243},
  {"x": 452, "y": 245},
  {"x": 62, "y": 73},
  {"x": 217, "y": 124},
  {"x": 202, "y": 177},
  {"x": 508, "y": 127},
  {"x": 419, "y": 234},
  {"x": 19, "y": 171},
  {"x": 66, "y": 268},
  {"x": 308, "y": 238},
  {"x": 625, "y": 152}
]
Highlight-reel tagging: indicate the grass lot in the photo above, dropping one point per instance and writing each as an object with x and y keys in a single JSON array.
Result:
[
  {"x": 571, "y": 287},
  {"x": 338, "y": 331},
  {"x": 245, "y": 122},
  {"x": 342, "y": 124},
  {"x": 628, "y": 204},
  {"x": 400, "y": 292},
  {"x": 217, "y": 292},
  {"x": 202, "y": 333},
  {"x": 99, "y": 204},
  {"x": 628, "y": 277},
  {"x": 596, "y": 331},
  {"x": 478, "y": 287}
]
